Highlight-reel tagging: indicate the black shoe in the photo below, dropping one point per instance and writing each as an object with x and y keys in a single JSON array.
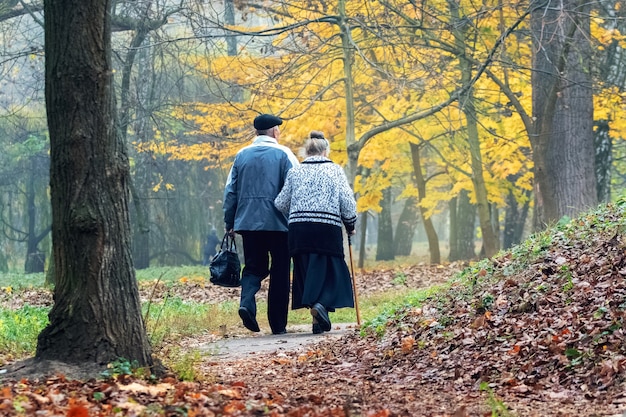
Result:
[
  {"x": 317, "y": 329},
  {"x": 248, "y": 320},
  {"x": 319, "y": 312},
  {"x": 283, "y": 331}
]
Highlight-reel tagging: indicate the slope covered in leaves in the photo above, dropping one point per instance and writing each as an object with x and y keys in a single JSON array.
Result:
[
  {"x": 537, "y": 331},
  {"x": 546, "y": 316}
]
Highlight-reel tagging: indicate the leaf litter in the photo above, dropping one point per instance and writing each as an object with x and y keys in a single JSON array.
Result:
[{"x": 535, "y": 331}]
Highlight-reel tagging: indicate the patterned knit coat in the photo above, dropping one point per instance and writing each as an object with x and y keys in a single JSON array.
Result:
[{"x": 318, "y": 200}]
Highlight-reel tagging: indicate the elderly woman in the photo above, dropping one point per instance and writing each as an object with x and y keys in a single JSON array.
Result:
[{"x": 318, "y": 200}]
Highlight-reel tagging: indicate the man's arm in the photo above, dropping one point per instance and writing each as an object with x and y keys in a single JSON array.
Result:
[{"x": 230, "y": 200}]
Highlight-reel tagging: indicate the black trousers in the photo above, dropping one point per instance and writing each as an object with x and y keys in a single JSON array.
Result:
[{"x": 266, "y": 253}]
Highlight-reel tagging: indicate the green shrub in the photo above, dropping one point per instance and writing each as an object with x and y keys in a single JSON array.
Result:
[{"x": 19, "y": 330}]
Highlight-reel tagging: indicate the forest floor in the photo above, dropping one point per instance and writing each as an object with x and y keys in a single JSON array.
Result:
[{"x": 537, "y": 331}]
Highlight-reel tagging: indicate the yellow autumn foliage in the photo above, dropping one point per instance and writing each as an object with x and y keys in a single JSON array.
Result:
[{"x": 404, "y": 62}]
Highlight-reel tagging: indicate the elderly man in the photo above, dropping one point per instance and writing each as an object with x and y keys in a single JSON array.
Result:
[{"x": 255, "y": 179}]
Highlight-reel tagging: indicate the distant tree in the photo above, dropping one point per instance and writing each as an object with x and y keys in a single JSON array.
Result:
[
  {"x": 405, "y": 227},
  {"x": 420, "y": 184},
  {"x": 9, "y": 9},
  {"x": 384, "y": 243},
  {"x": 462, "y": 221},
  {"x": 610, "y": 69},
  {"x": 24, "y": 203},
  {"x": 140, "y": 19},
  {"x": 96, "y": 317},
  {"x": 35, "y": 257}
]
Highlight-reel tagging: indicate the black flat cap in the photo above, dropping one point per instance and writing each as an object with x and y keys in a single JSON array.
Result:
[{"x": 266, "y": 121}]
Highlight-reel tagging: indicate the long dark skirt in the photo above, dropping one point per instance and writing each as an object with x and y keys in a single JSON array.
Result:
[{"x": 321, "y": 279}]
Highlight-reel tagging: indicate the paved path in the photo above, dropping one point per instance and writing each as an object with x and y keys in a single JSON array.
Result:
[{"x": 297, "y": 338}]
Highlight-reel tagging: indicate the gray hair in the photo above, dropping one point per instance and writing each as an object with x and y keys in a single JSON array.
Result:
[
  {"x": 266, "y": 132},
  {"x": 316, "y": 144}
]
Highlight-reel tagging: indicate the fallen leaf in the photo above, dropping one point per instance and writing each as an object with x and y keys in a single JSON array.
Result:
[
  {"x": 149, "y": 389},
  {"x": 77, "y": 411},
  {"x": 230, "y": 393},
  {"x": 407, "y": 344}
]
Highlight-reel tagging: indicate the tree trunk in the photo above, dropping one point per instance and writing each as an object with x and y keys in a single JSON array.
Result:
[
  {"x": 141, "y": 236},
  {"x": 420, "y": 184},
  {"x": 514, "y": 220},
  {"x": 465, "y": 221},
  {"x": 35, "y": 259},
  {"x": 562, "y": 141},
  {"x": 362, "y": 239},
  {"x": 604, "y": 159},
  {"x": 453, "y": 235},
  {"x": 491, "y": 242},
  {"x": 140, "y": 186},
  {"x": 229, "y": 19},
  {"x": 141, "y": 231},
  {"x": 384, "y": 243},
  {"x": 405, "y": 229},
  {"x": 348, "y": 52},
  {"x": 96, "y": 317},
  {"x": 236, "y": 91}
]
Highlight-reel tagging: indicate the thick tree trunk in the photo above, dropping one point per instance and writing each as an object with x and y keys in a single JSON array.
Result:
[
  {"x": 562, "y": 141},
  {"x": 384, "y": 243},
  {"x": 96, "y": 317}
]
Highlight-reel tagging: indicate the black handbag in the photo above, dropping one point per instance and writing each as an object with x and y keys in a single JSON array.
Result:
[{"x": 225, "y": 267}]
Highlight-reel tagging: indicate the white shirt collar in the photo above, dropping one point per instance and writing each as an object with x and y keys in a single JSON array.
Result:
[{"x": 264, "y": 138}]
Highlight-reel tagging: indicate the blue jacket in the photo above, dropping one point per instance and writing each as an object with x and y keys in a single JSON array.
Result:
[{"x": 254, "y": 181}]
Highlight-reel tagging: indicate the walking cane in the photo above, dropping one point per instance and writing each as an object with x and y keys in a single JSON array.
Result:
[{"x": 356, "y": 299}]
